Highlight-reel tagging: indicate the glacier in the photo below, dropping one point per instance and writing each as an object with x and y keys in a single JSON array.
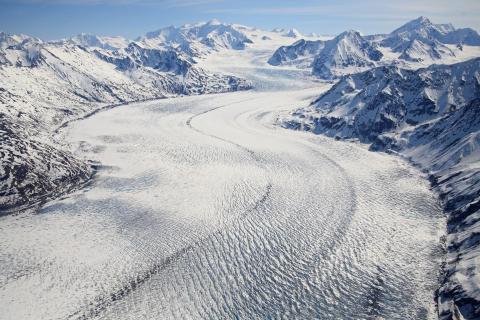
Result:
[{"x": 159, "y": 178}]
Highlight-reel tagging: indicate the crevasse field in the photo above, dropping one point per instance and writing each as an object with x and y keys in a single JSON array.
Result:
[{"x": 204, "y": 207}]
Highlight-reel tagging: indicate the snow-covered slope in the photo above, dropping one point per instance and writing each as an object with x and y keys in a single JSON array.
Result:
[
  {"x": 431, "y": 116},
  {"x": 42, "y": 85},
  {"x": 418, "y": 51}
]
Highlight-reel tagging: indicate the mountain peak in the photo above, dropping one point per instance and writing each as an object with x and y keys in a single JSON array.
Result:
[
  {"x": 422, "y": 20},
  {"x": 349, "y": 33},
  {"x": 293, "y": 33},
  {"x": 417, "y": 25}
]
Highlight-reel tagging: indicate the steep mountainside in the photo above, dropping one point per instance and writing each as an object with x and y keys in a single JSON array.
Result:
[
  {"x": 301, "y": 53},
  {"x": 42, "y": 85},
  {"x": 348, "y": 50},
  {"x": 431, "y": 116}
]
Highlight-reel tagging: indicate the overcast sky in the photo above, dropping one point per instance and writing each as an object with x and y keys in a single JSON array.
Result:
[{"x": 53, "y": 19}]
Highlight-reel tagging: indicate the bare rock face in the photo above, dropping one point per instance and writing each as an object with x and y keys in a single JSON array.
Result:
[{"x": 33, "y": 171}]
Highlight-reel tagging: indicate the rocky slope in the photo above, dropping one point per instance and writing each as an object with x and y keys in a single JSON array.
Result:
[
  {"x": 43, "y": 85},
  {"x": 431, "y": 116},
  {"x": 301, "y": 53}
]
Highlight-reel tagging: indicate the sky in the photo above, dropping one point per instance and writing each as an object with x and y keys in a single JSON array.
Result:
[{"x": 55, "y": 19}]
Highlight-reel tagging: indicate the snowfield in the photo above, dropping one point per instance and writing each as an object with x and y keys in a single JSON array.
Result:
[{"x": 206, "y": 206}]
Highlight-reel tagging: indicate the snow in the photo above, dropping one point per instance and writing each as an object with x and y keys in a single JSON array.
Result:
[{"x": 203, "y": 207}]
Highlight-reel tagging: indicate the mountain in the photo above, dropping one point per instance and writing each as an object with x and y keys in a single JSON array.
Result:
[
  {"x": 423, "y": 28},
  {"x": 416, "y": 44},
  {"x": 198, "y": 39},
  {"x": 32, "y": 171},
  {"x": 348, "y": 50},
  {"x": 420, "y": 40},
  {"x": 301, "y": 53},
  {"x": 293, "y": 33},
  {"x": 94, "y": 41},
  {"x": 431, "y": 116},
  {"x": 19, "y": 50},
  {"x": 420, "y": 28},
  {"x": 44, "y": 85},
  {"x": 418, "y": 51},
  {"x": 465, "y": 36}
]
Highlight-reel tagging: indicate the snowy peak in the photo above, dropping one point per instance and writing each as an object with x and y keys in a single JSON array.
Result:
[
  {"x": 417, "y": 25},
  {"x": 347, "y": 50},
  {"x": 293, "y": 33},
  {"x": 422, "y": 28},
  {"x": 198, "y": 38},
  {"x": 7, "y": 40},
  {"x": 421, "y": 40},
  {"x": 94, "y": 41},
  {"x": 418, "y": 51},
  {"x": 214, "y": 22}
]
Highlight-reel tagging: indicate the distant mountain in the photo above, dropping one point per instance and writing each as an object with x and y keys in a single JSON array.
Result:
[
  {"x": 422, "y": 28},
  {"x": 20, "y": 50},
  {"x": 417, "y": 43},
  {"x": 293, "y": 33},
  {"x": 431, "y": 116},
  {"x": 94, "y": 41},
  {"x": 465, "y": 36},
  {"x": 197, "y": 39},
  {"x": 301, "y": 53},
  {"x": 347, "y": 50},
  {"x": 420, "y": 40}
]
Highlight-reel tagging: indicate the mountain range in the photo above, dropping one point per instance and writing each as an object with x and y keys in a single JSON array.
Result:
[{"x": 416, "y": 44}]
